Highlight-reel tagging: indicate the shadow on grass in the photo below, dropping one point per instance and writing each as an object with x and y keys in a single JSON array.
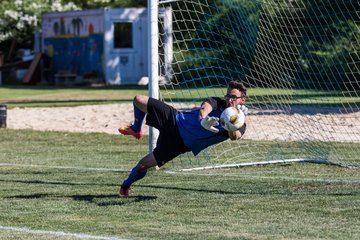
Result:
[
  {"x": 139, "y": 198},
  {"x": 31, "y": 196},
  {"x": 283, "y": 192},
  {"x": 102, "y": 200},
  {"x": 83, "y": 198},
  {"x": 199, "y": 190},
  {"x": 52, "y": 182},
  {"x": 115, "y": 200}
]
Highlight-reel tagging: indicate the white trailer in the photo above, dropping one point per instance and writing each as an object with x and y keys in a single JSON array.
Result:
[{"x": 110, "y": 43}]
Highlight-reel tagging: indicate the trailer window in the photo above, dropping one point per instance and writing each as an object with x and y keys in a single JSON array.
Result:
[{"x": 123, "y": 35}]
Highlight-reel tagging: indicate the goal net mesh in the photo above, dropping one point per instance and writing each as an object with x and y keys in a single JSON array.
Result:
[{"x": 299, "y": 59}]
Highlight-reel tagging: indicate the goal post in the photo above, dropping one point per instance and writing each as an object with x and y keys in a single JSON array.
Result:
[
  {"x": 153, "y": 59},
  {"x": 158, "y": 54},
  {"x": 299, "y": 60}
]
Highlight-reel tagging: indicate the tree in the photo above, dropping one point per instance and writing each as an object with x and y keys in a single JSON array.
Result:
[
  {"x": 20, "y": 19},
  {"x": 330, "y": 46},
  {"x": 90, "y": 4}
]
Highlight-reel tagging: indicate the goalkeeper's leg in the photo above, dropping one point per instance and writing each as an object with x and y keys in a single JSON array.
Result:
[
  {"x": 137, "y": 173},
  {"x": 140, "y": 110}
]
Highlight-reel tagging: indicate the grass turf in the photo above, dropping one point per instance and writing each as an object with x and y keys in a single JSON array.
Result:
[
  {"x": 50, "y": 96},
  {"x": 68, "y": 182}
]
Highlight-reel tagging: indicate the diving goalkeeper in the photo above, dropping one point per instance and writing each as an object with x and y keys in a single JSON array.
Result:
[{"x": 181, "y": 132}]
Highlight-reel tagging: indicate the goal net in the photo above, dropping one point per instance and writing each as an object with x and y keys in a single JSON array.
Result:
[{"x": 299, "y": 59}]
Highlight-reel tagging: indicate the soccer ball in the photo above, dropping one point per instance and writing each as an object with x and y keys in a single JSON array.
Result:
[{"x": 232, "y": 119}]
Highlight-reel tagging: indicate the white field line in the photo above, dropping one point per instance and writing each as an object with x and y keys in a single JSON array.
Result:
[
  {"x": 64, "y": 167},
  {"x": 264, "y": 163},
  {"x": 58, "y": 233},
  {"x": 188, "y": 173}
]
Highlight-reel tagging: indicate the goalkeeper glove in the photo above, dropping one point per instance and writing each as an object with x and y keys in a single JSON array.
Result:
[
  {"x": 209, "y": 123},
  {"x": 243, "y": 108}
]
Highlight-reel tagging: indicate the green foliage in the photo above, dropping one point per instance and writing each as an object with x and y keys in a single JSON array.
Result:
[
  {"x": 229, "y": 39},
  {"x": 20, "y": 19},
  {"x": 89, "y": 4},
  {"x": 220, "y": 41},
  {"x": 330, "y": 45}
]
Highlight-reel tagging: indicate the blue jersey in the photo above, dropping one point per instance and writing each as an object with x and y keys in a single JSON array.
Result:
[{"x": 194, "y": 136}]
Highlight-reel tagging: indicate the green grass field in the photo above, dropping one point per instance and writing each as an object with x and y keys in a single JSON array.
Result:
[
  {"x": 58, "y": 185},
  {"x": 47, "y": 96}
]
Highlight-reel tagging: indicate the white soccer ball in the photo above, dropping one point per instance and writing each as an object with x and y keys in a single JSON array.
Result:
[{"x": 232, "y": 119}]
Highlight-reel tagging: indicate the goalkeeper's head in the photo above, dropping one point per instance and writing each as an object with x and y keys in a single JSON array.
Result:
[{"x": 236, "y": 94}]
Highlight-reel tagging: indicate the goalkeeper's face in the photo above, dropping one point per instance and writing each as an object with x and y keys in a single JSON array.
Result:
[{"x": 234, "y": 97}]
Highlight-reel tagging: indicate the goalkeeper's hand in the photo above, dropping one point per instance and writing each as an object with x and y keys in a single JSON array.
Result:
[
  {"x": 209, "y": 123},
  {"x": 243, "y": 108}
]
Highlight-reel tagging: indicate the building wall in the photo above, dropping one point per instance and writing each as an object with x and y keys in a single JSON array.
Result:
[
  {"x": 80, "y": 55},
  {"x": 75, "y": 41}
]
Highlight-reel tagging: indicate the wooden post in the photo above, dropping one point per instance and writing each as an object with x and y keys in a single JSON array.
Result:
[
  {"x": 30, "y": 72},
  {"x": 11, "y": 51}
]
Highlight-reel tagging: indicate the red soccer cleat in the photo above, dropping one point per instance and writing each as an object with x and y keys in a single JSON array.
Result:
[
  {"x": 124, "y": 191},
  {"x": 129, "y": 131}
]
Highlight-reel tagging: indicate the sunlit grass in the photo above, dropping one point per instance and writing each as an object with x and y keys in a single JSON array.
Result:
[
  {"x": 40, "y": 96},
  {"x": 57, "y": 181}
]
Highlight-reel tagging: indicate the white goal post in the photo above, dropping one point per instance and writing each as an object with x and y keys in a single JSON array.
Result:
[
  {"x": 154, "y": 13},
  {"x": 153, "y": 62}
]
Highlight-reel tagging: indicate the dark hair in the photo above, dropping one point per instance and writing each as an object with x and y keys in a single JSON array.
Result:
[{"x": 234, "y": 84}]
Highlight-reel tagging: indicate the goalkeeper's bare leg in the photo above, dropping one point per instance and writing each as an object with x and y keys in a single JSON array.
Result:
[
  {"x": 140, "y": 110},
  {"x": 137, "y": 173}
]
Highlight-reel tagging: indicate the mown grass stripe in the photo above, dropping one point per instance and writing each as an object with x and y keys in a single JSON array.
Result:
[
  {"x": 248, "y": 176},
  {"x": 63, "y": 167},
  {"x": 58, "y": 233},
  {"x": 193, "y": 173}
]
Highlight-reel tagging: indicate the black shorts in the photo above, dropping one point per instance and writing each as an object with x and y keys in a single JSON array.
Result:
[{"x": 169, "y": 143}]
